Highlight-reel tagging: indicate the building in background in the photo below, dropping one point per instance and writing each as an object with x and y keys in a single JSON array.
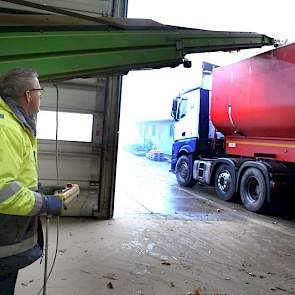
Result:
[
  {"x": 152, "y": 135},
  {"x": 156, "y": 135}
]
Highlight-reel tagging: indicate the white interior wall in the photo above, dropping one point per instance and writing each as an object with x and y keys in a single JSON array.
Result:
[{"x": 69, "y": 161}]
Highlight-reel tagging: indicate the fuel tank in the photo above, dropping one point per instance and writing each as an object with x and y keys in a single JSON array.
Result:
[{"x": 256, "y": 97}]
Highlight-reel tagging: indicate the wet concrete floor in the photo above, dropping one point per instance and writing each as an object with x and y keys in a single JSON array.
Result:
[{"x": 148, "y": 187}]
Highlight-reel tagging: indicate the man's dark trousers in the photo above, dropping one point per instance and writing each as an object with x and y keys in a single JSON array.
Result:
[{"x": 7, "y": 282}]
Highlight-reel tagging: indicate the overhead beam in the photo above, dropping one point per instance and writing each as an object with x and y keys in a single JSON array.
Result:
[{"x": 58, "y": 52}]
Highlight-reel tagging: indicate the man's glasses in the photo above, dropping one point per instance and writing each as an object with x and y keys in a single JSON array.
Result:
[{"x": 36, "y": 89}]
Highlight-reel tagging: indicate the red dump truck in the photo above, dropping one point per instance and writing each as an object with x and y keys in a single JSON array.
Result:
[{"x": 251, "y": 152}]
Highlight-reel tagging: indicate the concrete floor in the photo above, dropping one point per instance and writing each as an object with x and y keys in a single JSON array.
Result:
[{"x": 168, "y": 240}]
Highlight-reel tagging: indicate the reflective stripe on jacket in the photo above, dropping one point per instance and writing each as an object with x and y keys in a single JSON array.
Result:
[{"x": 19, "y": 203}]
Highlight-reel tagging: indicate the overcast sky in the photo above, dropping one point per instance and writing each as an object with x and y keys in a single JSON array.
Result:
[{"x": 148, "y": 94}]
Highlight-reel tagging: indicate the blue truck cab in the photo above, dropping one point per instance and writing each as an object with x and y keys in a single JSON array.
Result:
[{"x": 193, "y": 129}]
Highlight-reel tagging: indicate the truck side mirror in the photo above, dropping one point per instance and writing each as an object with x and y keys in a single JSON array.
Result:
[{"x": 174, "y": 110}]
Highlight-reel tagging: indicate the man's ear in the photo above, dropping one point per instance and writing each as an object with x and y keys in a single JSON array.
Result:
[{"x": 27, "y": 97}]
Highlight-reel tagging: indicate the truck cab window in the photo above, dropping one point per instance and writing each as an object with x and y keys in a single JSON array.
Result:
[{"x": 182, "y": 110}]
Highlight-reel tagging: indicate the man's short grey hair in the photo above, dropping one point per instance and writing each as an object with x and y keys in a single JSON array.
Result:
[{"x": 16, "y": 82}]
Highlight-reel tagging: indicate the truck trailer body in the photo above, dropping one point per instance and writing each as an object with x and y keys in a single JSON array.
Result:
[
  {"x": 245, "y": 140},
  {"x": 253, "y": 105}
]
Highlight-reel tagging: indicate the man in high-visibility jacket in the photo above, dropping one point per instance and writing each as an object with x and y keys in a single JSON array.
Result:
[{"x": 21, "y": 237}]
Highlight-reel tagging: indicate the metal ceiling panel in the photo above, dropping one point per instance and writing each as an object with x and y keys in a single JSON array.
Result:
[{"x": 89, "y": 7}]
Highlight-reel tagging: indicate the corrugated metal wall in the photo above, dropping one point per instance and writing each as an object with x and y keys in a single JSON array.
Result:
[{"x": 77, "y": 162}]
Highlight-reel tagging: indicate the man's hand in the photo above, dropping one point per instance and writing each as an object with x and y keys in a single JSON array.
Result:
[
  {"x": 53, "y": 205},
  {"x": 50, "y": 189}
]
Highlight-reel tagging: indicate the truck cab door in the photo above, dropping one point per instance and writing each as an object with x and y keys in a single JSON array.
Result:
[{"x": 188, "y": 115}]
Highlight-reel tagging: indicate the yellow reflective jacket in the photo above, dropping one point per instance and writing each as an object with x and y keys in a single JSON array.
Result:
[{"x": 20, "y": 204}]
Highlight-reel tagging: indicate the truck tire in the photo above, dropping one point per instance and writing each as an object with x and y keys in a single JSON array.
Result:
[
  {"x": 253, "y": 190},
  {"x": 184, "y": 171},
  {"x": 225, "y": 182}
]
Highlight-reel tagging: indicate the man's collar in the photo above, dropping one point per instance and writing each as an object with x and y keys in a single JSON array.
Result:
[{"x": 21, "y": 114}]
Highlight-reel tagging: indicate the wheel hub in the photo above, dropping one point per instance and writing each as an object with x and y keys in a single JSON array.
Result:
[
  {"x": 224, "y": 181},
  {"x": 253, "y": 189},
  {"x": 183, "y": 170}
]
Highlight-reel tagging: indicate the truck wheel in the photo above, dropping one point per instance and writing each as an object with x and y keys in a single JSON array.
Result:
[
  {"x": 253, "y": 190},
  {"x": 184, "y": 171},
  {"x": 225, "y": 182}
]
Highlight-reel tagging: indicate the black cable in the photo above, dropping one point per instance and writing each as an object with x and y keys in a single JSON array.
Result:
[
  {"x": 56, "y": 134},
  {"x": 46, "y": 277},
  {"x": 46, "y": 255}
]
